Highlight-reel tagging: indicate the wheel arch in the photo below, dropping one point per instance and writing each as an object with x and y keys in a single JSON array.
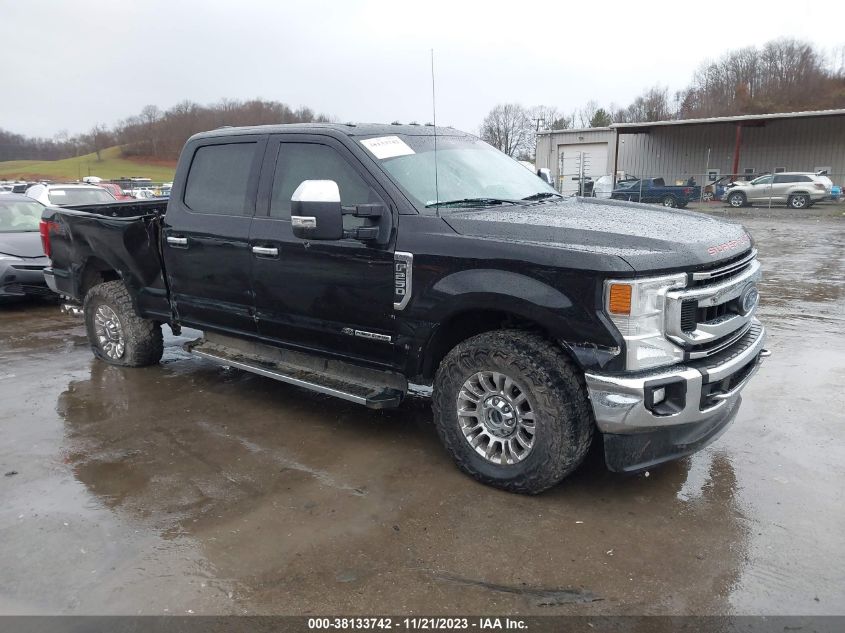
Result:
[
  {"x": 93, "y": 272},
  {"x": 471, "y": 302}
]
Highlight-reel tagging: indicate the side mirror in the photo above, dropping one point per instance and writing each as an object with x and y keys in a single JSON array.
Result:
[
  {"x": 316, "y": 214},
  {"x": 546, "y": 175},
  {"x": 315, "y": 211}
]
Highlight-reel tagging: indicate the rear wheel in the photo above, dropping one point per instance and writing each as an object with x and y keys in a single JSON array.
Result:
[
  {"x": 670, "y": 201},
  {"x": 737, "y": 199},
  {"x": 512, "y": 411},
  {"x": 116, "y": 333},
  {"x": 799, "y": 201}
]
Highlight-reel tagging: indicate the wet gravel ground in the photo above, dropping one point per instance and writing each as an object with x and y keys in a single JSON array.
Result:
[{"x": 185, "y": 488}]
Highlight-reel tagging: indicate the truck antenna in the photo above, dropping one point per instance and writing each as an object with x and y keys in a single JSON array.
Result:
[{"x": 434, "y": 121}]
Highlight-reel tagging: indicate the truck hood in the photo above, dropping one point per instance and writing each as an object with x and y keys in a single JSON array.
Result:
[
  {"x": 23, "y": 244},
  {"x": 649, "y": 238}
]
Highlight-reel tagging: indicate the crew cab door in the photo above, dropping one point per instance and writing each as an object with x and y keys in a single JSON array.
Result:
[
  {"x": 333, "y": 296},
  {"x": 206, "y": 233}
]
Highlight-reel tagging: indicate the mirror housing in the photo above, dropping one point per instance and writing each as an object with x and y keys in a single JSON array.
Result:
[
  {"x": 315, "y": 211},
  {"x": 316, "y": 214}
]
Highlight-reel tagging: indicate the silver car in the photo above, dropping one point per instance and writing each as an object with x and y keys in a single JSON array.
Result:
[{"x": 797, "y": 190}]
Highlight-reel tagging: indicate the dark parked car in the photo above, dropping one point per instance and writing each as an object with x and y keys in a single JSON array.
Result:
[
  {"x": 22, "y": 259},
  {"x": 329, "y": 257},
  {"x": 655, "y": 190}
]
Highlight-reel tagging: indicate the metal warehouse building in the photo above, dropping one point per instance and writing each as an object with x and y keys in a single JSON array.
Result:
[{"x": 704, "y": 149}]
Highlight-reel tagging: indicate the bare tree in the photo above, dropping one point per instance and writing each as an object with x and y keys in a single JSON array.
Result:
[
  {"x": 508, "y": 127},
  {"x": 652, "y": 105},
  {"x": 150, "y": 115},
  {"x": 98, "y": 139},
  {"x": 586, "y": 114}
]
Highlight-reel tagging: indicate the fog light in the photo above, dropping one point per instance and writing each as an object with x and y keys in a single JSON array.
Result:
[{"x": 665, "y": 396}]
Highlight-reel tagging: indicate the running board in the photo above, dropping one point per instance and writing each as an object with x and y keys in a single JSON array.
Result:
[{"x": 337, "y": 384}]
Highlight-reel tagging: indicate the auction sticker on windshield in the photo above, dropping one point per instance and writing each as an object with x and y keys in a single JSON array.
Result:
[{"x": 387, "y": 147}]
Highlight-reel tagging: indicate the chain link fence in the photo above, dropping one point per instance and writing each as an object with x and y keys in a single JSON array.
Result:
[{"x": 796, "y": 190}]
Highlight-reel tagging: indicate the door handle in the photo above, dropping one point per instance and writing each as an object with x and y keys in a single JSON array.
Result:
[
  {"x": 265, "y": 251},
  {"x": 177, "y": 241}
]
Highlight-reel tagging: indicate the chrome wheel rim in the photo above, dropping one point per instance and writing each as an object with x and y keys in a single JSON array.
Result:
[
  {"x": 109, "y": 332},
  {"x": 496, "y": 417},
  {"x": 736, "y": 201},
  {"x": 798, "y": 202},
  {"x": 668, "y": 202}
]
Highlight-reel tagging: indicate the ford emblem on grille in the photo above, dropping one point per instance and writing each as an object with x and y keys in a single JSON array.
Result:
[{"x": 749, "y": 298}]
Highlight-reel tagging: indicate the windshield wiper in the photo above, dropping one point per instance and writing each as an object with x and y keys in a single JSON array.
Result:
[
  {"x": 484, "y": 202},
  {"x": 542, "y": 195}
]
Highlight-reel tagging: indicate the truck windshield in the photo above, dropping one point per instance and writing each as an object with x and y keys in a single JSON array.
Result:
[
  {"x": 469, "y": 172},
  {"x": 18, "y": 217}
]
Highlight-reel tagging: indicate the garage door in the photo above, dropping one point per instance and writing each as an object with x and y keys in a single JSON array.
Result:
[{"x": 593, "y": 157}]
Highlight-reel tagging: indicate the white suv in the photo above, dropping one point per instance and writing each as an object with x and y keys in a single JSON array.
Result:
[
  {"x": 63, "y": 195},
  {"x": 797, "y": 190}
]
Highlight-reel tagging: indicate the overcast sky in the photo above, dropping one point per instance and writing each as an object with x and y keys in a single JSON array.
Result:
[{"x": 70, "y": 65}]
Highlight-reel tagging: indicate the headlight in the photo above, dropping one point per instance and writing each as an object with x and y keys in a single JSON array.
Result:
[{"x": 636, "y": 307}]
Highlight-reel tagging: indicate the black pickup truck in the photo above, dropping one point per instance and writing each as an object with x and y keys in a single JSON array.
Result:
[{"x": 361, "y": 262}]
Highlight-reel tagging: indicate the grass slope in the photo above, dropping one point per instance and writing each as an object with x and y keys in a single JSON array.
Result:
[{"x": 112, "y": 165}]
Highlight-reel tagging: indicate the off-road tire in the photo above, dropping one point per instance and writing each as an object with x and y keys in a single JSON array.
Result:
[
  {"x": 740, "y": 199},
  {"x": 564, "y": 418},
  {"x": 798, "y": 201},
  {"x": 143, "y": 340}
]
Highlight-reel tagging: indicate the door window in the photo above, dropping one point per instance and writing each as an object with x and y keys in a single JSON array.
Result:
[
  {"x": 218, "y": 181},
  {"x": 311, "y": 161}
]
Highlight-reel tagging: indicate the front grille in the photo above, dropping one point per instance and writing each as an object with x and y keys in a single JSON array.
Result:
[
  {"x": 692, "y": 315},
  {"x": 689, "y": 315},
  {"x": 28, "y": 289},
  {"x": 714, "y": 346},
  {"x": 704, "y": 317},
  {"x": 29, "y": 267},
  {"x": 717, "y": 273}
]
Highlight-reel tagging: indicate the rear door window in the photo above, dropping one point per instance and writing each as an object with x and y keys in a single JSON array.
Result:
[{"x": 218, "y": 181}]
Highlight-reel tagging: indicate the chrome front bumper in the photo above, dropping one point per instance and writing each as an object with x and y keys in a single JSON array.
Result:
[
  {"x": 706, "y": 391},
  {"x": 705, "y": 399}
]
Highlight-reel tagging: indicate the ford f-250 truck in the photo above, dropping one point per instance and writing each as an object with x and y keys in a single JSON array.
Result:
[{"x": 358, "y": 261}]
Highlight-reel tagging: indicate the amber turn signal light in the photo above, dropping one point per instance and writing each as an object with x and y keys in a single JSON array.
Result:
[{"x": 620, "y": 299}]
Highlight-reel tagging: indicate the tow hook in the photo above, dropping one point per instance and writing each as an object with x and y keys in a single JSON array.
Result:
[{"x": 71, "y": 309}]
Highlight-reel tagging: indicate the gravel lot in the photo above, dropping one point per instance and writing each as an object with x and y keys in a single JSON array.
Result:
[{"x": 185, "y": 488}]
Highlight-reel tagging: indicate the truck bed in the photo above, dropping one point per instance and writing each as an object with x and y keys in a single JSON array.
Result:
[
  {"x": 119, "y": 237},
  {"x": 125, "y": 209}
]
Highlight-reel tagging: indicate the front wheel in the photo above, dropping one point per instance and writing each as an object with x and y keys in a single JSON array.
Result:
[
  {"x": 799, "y": 201},
  {"x": 512, "y": 411},
  {"x": 116, "y": 333},
  {"x": 708, "y": 196},
  {"x": 736, "y": 200}
]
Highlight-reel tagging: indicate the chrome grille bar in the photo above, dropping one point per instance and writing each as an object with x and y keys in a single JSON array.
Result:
[{"x": 725, "y": 270}]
